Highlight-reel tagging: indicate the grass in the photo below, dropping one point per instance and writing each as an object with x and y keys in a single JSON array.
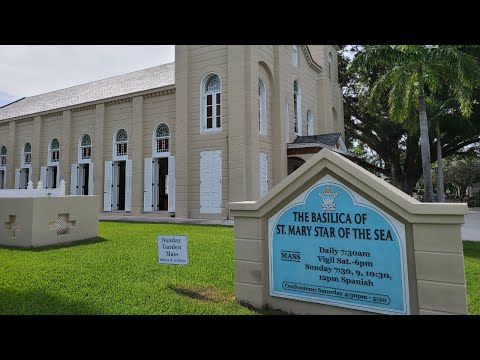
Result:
[
  {"x": 118, "y": 273},
  {"x": 471, "y": 250}
]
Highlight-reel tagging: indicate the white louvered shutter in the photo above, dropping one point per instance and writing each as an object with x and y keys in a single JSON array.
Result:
[
  {"x": 128, "y": 186},
  {"x": 74, "y": 179},
  {"x": 300, "y": 119},
  {"x": 205, "y": 182},
  {"x": 43, "y": 176},
  {"x": 216, "y": 181},
  {"x": 107, "y": 187},
  {"x": 17, "y": 178},
  {"x": 148, "y": 185},
  {"x": 90, "y": 179},
  {"x": 58, "y": 176},
  {"x": 171, "y": 184}
]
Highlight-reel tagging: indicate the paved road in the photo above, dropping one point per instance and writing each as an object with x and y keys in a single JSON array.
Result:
[{"x": 471, "y": 228}]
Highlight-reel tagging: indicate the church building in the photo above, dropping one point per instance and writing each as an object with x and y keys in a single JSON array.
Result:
[{"x": 222, "y": 123}]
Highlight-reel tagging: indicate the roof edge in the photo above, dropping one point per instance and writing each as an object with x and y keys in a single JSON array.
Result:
[
  {"x": 94, "y": 102},
  {"x": 13, "y": 102}
]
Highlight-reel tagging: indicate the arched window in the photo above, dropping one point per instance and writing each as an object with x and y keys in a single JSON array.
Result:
[
  {"x": 54, "y": 151},
  {"x": 330, "y": 60},
  {"x": 161, "y": 137},
  {"x": 287, "y": 121},
  {"x": 211, "y": 106},
  {"x": 262, "y": 107},
  {"x": 121, "y": 141},
  {"x": 85, "y": 147},
  {"x": 3, "y": 156},
  {"x": 309, "y": 123},
  {"x": 297, "y": 108},
  {"x": 27, "y": 154}
]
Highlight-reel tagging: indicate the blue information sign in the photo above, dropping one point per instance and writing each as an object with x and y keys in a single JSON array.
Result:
[{"x": 332, "y": 246}]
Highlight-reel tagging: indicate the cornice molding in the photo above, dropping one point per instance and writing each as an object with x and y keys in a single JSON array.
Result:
[
  {"x": 56, "y": 113},
  {"x": 159, "y": 93},
  {"x": 310, "y": 60},
  {"x": 119, "y": 101},
  {"x": 19, "y": 121},
  {"x": 81, "y": 108}
]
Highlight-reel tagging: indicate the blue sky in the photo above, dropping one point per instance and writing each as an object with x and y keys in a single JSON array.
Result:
[
  {"x": 6, "y": 98},
  {"x": 27, "y": 70}
]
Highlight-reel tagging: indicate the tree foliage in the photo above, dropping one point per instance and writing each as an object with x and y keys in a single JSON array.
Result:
[
  {"x": 396, "y": 140},
  {"x": 461, "y": 172}
]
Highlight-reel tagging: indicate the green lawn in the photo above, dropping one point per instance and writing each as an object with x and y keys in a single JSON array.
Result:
[
  {"x": 119, "y": 274},
  {"x": 471, "y": 250}
]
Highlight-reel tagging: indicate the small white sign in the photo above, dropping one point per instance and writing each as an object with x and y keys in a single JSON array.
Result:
[{"x": 172, "y": 249}]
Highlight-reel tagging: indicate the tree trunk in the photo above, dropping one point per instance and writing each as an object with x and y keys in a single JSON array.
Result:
[
  {"x": 463, "y": 191},
  {"x": 425, "y": 147},
  {"x": 440, "y": 182}
]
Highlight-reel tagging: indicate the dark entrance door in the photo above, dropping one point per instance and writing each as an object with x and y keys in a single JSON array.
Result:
[
  {"x": 162, "y": 203},
  {"x": 85, "y": 175},
  {"x": 121, "y": 185},
  {"x": 26, "y": 175},
  {"x": 54, "y": 177}
]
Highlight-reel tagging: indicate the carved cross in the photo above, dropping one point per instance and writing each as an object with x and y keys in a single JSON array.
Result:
[
  {"x": 62, "y": 224},
  {"x": 12, "y": 225}
]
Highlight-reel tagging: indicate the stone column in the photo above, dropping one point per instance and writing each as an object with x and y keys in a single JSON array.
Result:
[
  {"x": 183, "y": 112},
  {"x": 11, "y": 155},
  {"x": 279, "y": 146},
  {"x": 340, "y": 111},
  {"x": 97, "y": 149},
  {"x": 251, "y": 121},
  {"x": 137, "y": 156},
  {"x": 237, "y": 124},
  {"x": 323, "y": 105},
  {"x": 37, "y": 160},
  {"x": 65, "y": 149}
]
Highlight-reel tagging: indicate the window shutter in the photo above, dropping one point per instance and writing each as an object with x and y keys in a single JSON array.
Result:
[
  {"x": 74, "y": 179},
  {"x": 90, "y": 179},
  {"x": 216, "y": 181},
  {"x": 205, "y": 182},
  {"x": 58, "y": 175},
  {"x": 128, "y": 186},
  {"x": 17, "y": 178},
  {"x": 299, "y": 112},
  {"x": 171, "y": 184},
  {"x": 147, "y": 185},
  {"x": 107, "y": 187},
  {"x": 43, "y": 176}
]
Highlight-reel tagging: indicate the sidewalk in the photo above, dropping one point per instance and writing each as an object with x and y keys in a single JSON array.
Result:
[
  {"x": 471, "y": 228},
  {"x": 165, "y": 220}
]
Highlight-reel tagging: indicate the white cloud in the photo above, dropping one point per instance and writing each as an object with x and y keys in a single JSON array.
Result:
[{"x": 30, "y": 70}]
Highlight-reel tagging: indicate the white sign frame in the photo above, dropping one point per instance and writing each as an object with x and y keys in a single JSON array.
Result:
[
  {"x": 182, "y": 241},
  {"x": 360, "y": 200}
]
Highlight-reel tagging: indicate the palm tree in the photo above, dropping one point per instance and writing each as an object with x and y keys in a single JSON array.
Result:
[
  {"x": 446, "y": 118},
  {"x": 409, "y": 73}
]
